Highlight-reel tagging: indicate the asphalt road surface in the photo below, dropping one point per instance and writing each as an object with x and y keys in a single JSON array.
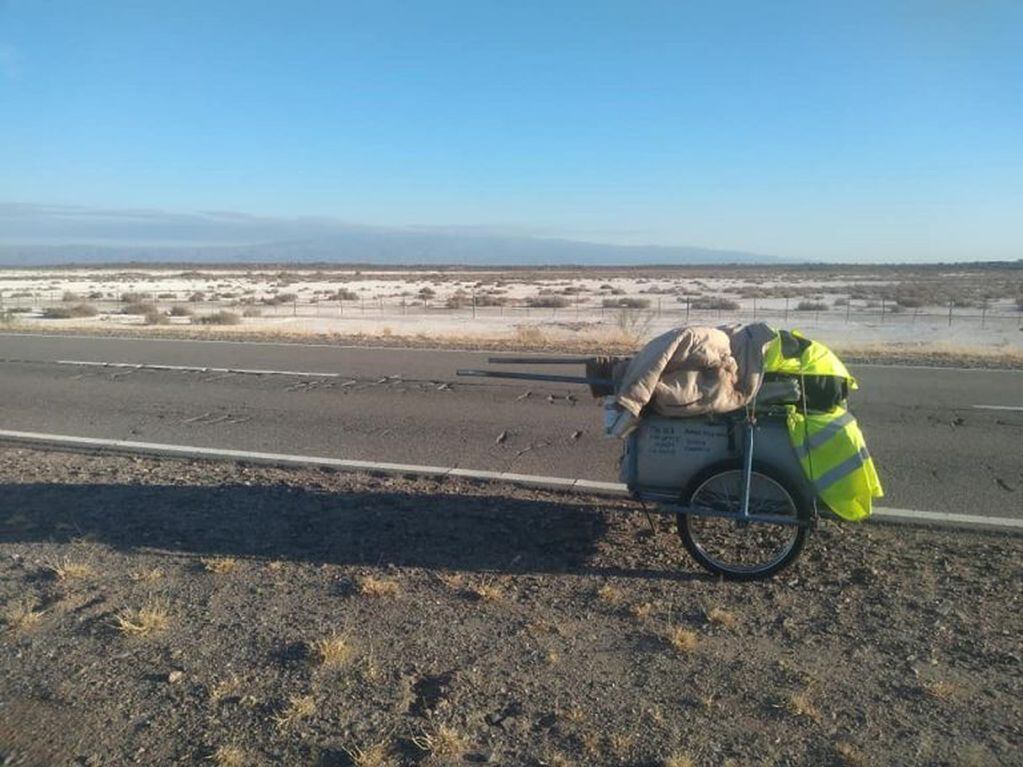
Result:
[{"x": 944, "y": 439}]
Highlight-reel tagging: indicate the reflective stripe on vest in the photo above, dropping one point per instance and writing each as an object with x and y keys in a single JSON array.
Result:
[
  {"x": 818, "y": 438},
  {"x": 843, "y": 470}
]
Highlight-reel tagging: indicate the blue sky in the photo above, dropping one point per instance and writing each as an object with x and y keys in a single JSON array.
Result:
[{"x": 862, "y": 130}]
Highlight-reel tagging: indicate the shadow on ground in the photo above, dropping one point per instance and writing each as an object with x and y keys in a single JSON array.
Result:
[{"x": 428, "y": 530}]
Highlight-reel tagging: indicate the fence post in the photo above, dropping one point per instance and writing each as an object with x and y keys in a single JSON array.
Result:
[
  {"x": 687, "y": 308},
  {"x": 882, "y": 310},
  {"x": 848, "y": 306},
  {"x": 658, "y": 306},
  {"x": 294, "y": 307},
  {"x": 951, "y": 303},
  {"x": 474, "y": 304},
  {"x": 983, "y": 313},
  {"x": 786, "y": 309},
  {"x": 754, "y": 308}
]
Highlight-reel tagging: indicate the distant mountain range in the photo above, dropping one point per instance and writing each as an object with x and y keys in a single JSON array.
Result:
[{"x": 38, "y": 235}]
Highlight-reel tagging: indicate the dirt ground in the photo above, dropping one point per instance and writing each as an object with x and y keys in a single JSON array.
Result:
[{"x": 171, "y": 612}]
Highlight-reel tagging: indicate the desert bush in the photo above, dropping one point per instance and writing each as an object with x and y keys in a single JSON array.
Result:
[
  {"x": 67, "y": 312},
  {"x": 180, "y": 311},
  {"x": 134, "y": 298},
  {"x": 252, "y": 311},
  {"x": 811, "y": 306},
  {"x": 840, "y": 302},
  {"x": 137, "y": 307},
  {"x": 458, "y": 299},
  {"x": 547, "y": 302},
  {"x": 715, "y": 302},
  {"x": 197, "y": 297},
  {"x": 167, "y": 296},
  {"x": 280, "y": 298},
  {"x": 218, "y": 318},
  {"x": 155, "y": 317},
  {"x": 7, "y": 317},
  {"x": 626, "y": 303},
  {"x": 70, "y": 296},
  {"x": 344, "y": 294},
  {"x": 489, "y": 299},
  {"x": 427, "y": 292}
]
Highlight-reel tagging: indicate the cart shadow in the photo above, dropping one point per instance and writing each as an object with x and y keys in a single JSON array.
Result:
[{"x": 473, "y": 533}]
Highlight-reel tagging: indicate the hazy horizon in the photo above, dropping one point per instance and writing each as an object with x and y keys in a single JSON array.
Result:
[{"x": 870, "y": 132}]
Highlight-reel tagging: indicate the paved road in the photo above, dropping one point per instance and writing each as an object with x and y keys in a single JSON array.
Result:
[{"x": 936, "y": 451}]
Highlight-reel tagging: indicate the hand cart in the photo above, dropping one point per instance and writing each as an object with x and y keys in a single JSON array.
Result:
[{"x": 742, "y": 503}]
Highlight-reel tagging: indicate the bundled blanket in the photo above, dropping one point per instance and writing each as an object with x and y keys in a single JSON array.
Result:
[{"x": 694, "y": 370}]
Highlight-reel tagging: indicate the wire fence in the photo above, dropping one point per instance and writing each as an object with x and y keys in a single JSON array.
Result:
[{"x": 635, "y": 310}]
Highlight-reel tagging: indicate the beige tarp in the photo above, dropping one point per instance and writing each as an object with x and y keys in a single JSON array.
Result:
[{"x": 694, "y": 370}]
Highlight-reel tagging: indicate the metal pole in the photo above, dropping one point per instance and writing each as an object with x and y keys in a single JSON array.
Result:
[{"x": 951, "y": 303}]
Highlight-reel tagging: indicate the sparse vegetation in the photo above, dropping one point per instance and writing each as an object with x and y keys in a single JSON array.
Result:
[
  {"x": 626, "y": 303},
  {"x": 611, "y": 594},
  {"x": 218, "y": 318},
  {"x": 332, "y": 651},
  {"x": 21, "y": 614},
  {"x": 811, "y": 306},
  {"x": 444, "y": 743},
  {"x": 376, "y": 755},
  {"x": 181, "y": 311},
  {"x": 298, "y": 707},
  {"x": 219, "y": 565},
  {"x": 548, "y": 302},
  {"x": 800, "y": 705},
  {"x": 230, "y": 756},
  {"x": 721, "y": 617},
  {"x": 370, "y": 586},
  {"x": 67, "y": 569},
  {"x": 682, "y": 639},
  {"x": 143, "y": 621},
  {"x": 66, "y": 312},
  {"x": 713, "y": 302}
]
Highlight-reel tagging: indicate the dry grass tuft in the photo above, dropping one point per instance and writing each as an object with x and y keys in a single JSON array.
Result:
[
  {"x": 682, "y": 639},
  {"x": 230, "y": 756},
  {"x": 487, "y": 592},
  {"x": 620, "y": 743},
  {"x": 226, "y": 689},
  {"x": 333, "y": 651},
  {"x": 299, "y": 707},
  {"x": 443, "y": 743},
  {"x": 21, "y": 615},
  {"x": 800, "y": 705},
  {"x": 377, "y": 587},
  {"x": 723, "y": 618},
  {"x": 590, "y": 744},
  {"x": 641, "y": 611},
  {"x": 454, "y": 581},
  {"x": 146, "y": 576},
  {"x": 67, "y": 569},
  {"x": 612, "y": 595},
  {"x": 679, "y": 760},
  {"x": 219, "y": 565},
  {"x": 849, "y": 755},
  {"x": 377, "y": 755},
  {"x": 275, "y": 566},
  {"x": 145, "y": 620},
  {"x": 943, "y": 691}
]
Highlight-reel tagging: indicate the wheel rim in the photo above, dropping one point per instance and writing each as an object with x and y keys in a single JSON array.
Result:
[{"x": 743, "y": 548}]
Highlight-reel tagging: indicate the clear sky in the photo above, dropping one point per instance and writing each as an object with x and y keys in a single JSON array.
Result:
[{"x": 852, "y": 130}]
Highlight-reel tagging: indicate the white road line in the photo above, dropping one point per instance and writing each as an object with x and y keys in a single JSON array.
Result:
[
  {"x": 428, "y": 349},
  {"x": 998, "y": 407},
  {"x": 588, "y": 487},
  {"x": 189, "y": 368}
]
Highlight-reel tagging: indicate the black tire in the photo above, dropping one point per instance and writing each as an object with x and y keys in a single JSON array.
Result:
[{"x": 766, "y": 478}]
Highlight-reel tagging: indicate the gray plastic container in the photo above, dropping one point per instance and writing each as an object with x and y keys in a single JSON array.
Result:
[{"x": 663, "y": 455}]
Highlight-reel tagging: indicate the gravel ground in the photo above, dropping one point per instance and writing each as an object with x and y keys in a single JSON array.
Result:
[{"x": 313, "y": 618}]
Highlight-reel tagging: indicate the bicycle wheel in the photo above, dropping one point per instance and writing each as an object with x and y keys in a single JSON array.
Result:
[{"x": 741, "y": 550}]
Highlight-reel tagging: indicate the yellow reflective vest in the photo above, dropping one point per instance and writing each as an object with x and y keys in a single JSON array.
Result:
[{"x": 829, "y": 445}]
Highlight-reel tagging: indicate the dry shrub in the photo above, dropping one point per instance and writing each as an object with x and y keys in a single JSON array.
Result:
[
  {"x": 146, "y": 576},
  {"x": 641, "y": 611},
  {"x": 66, "y": 312},
  {"x": 299, "y": 707},
  {"x": 682, "y": 639},
  {"x": 488, "y": 592},
  {"x": 370, "y": 586},
  {"x": 146, "y": 620},
  {"x": 943, "y": 691},
  {"x": 721, "y": 617},
  {"x": 21, "y": 614},
  {"x": 442, "y": 743},
  {"x": 679, "y": 760},
  {"x": 219, "y": 565},
  {"x": 332, "y": 651},
  {"x": 230, "y": 756},
  {"x": 218, "y": 318},
  {"x": 377, "y": 755},
  {"x": 66, "y": 570},
  {"x": 610, "y": 594},
  {"x": 800, "y": 705},
  {"x": 530, "y": 335}
]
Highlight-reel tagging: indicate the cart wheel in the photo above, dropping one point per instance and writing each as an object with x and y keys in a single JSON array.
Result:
[{"x": 744, "y": 551}]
